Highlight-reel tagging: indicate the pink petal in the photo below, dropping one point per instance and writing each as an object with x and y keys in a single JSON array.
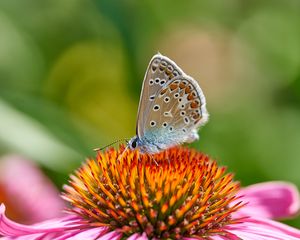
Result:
[
  {"x": 113, "y": 235},
  {"x": 29, "y": 192},
  {"x": 263, "y": 229},
  {"x": 86, "y": 234},
  {"x": 59, "y": 229},
  {"x": 226, "y": 236},
  {"x": 270, "y": 200},
  {"x": 137, "y": 236}
]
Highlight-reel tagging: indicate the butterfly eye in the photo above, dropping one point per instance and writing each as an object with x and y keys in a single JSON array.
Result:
[{"x": 134, "y": 143}]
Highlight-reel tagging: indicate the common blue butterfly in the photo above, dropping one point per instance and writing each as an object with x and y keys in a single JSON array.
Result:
[{"x": 172, "y": 108}]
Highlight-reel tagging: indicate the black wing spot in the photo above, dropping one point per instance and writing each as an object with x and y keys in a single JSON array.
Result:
[
  {"x": 186, "y": 120},
  {"x": 152, "y": 123},
  {"x": 156, "y": 107},
  {"x": 170, "y": 68},
  {"x": 152, "y": 97},
  {"x": 166, "y": 99},
  {"x": 155, "y": 64},
  {"x": 175, "y": 73}
]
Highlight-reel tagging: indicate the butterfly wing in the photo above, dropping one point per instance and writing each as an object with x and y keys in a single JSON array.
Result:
[
  {"x": 177, "y": 112},
  {"x": 161, "y": 70}
]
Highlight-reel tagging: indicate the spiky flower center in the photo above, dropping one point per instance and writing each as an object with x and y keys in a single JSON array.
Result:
[{"x": 174, "y": 194}]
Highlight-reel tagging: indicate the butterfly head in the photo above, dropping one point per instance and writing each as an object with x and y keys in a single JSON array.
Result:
[
  {"x": 143, "y": 145},
  {"x": 134, "y": 143}
]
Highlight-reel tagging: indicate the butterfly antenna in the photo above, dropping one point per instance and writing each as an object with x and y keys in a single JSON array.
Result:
[{"x": 120, "y": 140}]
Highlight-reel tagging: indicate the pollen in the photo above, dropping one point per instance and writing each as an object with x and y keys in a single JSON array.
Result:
[{"x": 170, "y": 195}]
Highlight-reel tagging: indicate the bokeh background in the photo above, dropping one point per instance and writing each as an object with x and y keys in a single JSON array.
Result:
[{"x": 71, "y": 75}]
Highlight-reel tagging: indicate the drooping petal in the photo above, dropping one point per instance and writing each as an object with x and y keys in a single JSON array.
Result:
[
  {"x": 58, "y": 229},
  {"x": 263, "y": 229},
  {"x": 29, "y": 195},
  {"x": 270, "y": 200}
]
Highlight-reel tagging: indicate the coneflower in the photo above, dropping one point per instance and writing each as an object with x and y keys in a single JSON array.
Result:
[{"x": 176, "y": 194}]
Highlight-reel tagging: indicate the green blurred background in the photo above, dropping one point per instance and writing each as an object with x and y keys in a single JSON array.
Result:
[{"x": 71, "y": 75}]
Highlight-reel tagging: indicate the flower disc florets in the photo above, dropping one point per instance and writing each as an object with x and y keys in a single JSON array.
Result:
[{"x": 174, "y": 194}]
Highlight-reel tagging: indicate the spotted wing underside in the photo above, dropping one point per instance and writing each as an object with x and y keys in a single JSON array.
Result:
[
  {"x": 177, "y": 112},
  {"x": 161, "y": 70}
]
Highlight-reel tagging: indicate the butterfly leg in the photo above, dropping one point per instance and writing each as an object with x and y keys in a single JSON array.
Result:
[
  {"x": 168, "y": 157},
  {"x": 122, "y": 154},
  {"x": 152, "y": 158}
]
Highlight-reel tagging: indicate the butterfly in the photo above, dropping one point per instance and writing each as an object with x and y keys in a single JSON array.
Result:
[{"x": 172, "y": 107}]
